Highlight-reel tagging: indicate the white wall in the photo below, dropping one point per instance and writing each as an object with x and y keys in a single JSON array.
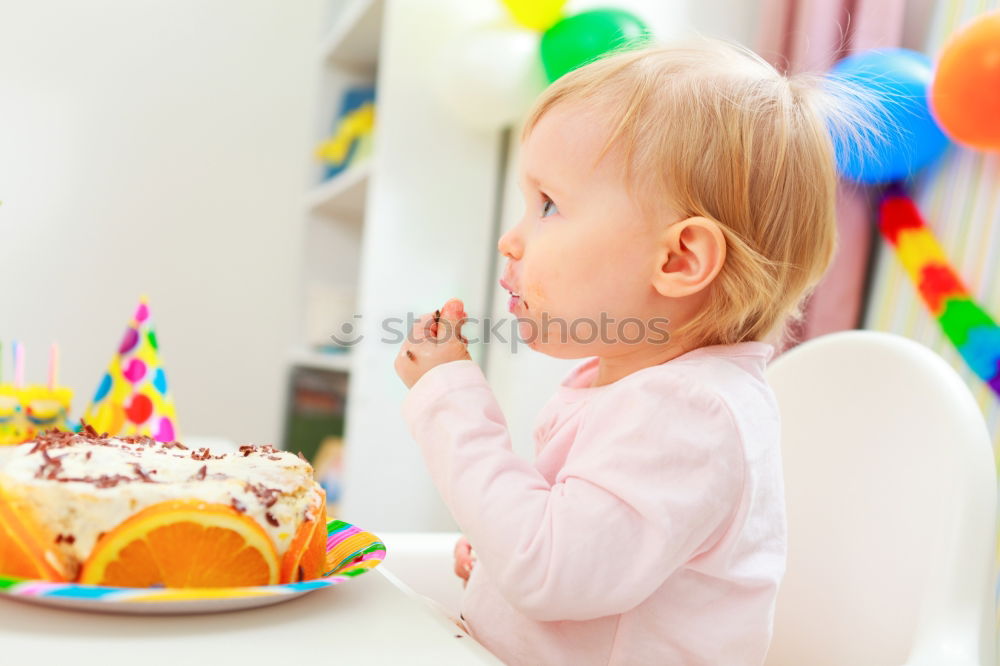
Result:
[{"x": 158, "y": 147}]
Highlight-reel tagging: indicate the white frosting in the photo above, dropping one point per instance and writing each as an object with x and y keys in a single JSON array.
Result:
[{"x": 95, "y": 484}]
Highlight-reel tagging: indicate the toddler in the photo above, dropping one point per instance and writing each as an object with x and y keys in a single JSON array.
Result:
[{"x": 680, "y": 205}]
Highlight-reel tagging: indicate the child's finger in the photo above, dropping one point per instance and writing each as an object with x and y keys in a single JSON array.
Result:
[
  {"x": 453, "y": 315},
  {"x": 453, "y": 309}
]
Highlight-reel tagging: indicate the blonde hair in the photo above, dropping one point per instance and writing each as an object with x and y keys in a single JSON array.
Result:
[{"x": 710, "y": 129}]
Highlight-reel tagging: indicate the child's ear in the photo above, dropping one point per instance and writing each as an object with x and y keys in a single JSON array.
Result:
[{"x": 690, "y": 254}]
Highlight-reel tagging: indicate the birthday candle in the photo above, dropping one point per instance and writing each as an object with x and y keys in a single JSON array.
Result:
[{"x": 18, "y": 364}]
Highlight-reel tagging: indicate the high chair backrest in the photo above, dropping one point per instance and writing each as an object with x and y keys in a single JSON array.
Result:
[{"x": 891, "y": 494}]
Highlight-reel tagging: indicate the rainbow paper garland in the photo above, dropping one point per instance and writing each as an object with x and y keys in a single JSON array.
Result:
[{"x": 973, "y": 332}]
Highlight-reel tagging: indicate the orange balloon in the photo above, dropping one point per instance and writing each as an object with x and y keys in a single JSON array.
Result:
[{"x": 965, "y": 93}]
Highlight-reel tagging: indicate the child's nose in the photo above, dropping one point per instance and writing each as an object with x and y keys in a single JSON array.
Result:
[{"x": 511, "y": 245}]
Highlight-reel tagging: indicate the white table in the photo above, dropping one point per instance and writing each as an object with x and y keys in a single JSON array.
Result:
[{"x": 369, "y": 621}]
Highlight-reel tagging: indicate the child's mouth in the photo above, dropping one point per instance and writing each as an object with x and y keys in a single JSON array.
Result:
[{"x": 515, "y": 298}]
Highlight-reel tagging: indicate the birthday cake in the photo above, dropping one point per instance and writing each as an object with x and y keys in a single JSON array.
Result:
[{"x": 134, "y": 512}]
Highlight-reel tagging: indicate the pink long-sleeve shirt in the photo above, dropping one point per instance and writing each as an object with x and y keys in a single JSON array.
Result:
[{"x": 650, "y": 528}]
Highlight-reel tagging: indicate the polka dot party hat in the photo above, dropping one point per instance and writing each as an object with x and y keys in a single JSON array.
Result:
[{"x": 132, "y": 398}]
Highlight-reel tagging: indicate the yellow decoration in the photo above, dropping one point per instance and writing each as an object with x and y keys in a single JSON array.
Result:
[
  {"x": 45, "y": 409},
  {"x": 356, "y": 124},
  {"x": 535, "y": 14},
  {"x": 12, "y": 423}
]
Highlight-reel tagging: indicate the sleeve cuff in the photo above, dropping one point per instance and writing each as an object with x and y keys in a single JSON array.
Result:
[{"x": 437, "y": 382}]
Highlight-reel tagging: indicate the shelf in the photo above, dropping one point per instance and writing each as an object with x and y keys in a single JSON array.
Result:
[
  {"x": 353, "y": 41},
  {"x": 307, "y": 358},
  {"x": 343, "y": 195}
]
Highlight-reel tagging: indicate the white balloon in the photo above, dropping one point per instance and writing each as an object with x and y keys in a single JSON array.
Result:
[{"x": 489, "y": 76}]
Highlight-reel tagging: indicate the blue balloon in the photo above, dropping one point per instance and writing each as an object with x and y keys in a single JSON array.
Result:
[{"x": 909, "y": 138}]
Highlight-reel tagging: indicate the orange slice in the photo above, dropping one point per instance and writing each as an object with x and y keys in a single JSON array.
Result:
[
  {"x": 184, "y": 543},
  {"x": 24, "y": 552},
  {"x": 306, "y": 555},
  {"x": 313, "y": 563}
]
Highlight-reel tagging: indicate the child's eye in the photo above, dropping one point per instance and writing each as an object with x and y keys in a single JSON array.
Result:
[{"x": 548, "y": 206}]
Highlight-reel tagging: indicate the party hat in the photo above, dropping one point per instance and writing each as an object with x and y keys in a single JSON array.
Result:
[{"x": 132, "y": 398}]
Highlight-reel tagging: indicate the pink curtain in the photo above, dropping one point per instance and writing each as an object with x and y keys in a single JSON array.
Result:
[{"x": 811, "y": 35}]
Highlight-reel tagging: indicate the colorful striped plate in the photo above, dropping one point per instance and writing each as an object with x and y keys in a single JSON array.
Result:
[{"x": 350, "y": 552}]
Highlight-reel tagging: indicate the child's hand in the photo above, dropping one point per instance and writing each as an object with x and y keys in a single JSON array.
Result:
[
  {"x": 435, "y": 339},
  {"x": 464, "y": 559}
]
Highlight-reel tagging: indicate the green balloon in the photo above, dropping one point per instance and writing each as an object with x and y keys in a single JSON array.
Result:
[{"x": 585, "y": 37}]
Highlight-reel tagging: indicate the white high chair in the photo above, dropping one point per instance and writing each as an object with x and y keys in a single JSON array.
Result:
[
  {"x": 890, "y": 487},
  {"x": 891, "y": 498}
]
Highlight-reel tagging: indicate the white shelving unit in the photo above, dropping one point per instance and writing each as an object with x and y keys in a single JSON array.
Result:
[
  {"x": 423, "y": 235},
  {"x": 343, "y": 196},
  {"x": 335, "y": 208},
  {"x": 353, "y": 41}
]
